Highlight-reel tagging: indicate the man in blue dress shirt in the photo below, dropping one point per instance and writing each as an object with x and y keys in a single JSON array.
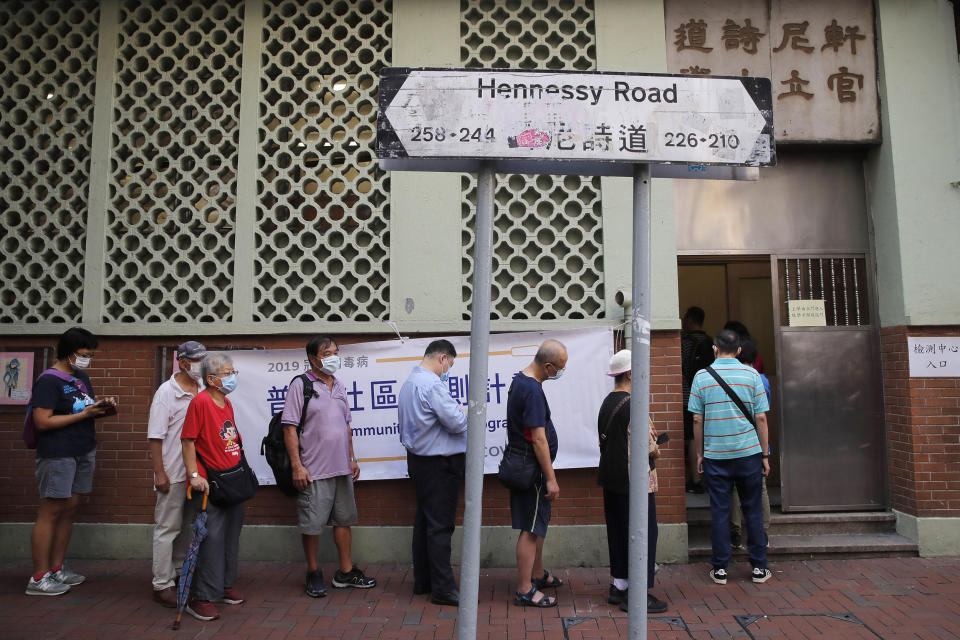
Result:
[{"x": 433, "y": 429}]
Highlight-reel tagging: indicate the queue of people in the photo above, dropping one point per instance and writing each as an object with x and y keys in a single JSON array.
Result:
[{"x": 196, "y": 448}]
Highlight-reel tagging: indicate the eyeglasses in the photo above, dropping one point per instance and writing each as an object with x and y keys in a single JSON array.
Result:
[{"x": 228, "y": 373}]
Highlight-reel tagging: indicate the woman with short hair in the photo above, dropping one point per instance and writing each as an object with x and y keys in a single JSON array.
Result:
[
  {"x": 211, "y": 443},
  {"x": 63, "y": 408}
]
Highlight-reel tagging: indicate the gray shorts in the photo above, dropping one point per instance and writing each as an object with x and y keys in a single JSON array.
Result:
[
  {"x": 63, "y": 477},
  {"x": 328, "y": 502}
]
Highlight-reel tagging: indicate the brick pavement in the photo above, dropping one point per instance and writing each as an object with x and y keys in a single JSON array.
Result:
[{"x": 890, "y": 598}]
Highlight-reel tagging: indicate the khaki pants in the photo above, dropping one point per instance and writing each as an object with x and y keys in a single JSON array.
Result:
[{"x": 171, "y": 534}]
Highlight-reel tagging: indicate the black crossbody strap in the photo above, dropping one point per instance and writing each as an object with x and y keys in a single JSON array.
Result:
[
  {"x": 307, "y": 394},
  {"x": 616, "y": 410},
  {"x": 736, "y": 399}
]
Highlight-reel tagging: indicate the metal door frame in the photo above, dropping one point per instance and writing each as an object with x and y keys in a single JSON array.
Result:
[{"x": 876, "y": 376}]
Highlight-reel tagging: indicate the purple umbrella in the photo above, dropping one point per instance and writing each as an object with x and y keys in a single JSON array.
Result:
[{"x": 190, "y": 560}]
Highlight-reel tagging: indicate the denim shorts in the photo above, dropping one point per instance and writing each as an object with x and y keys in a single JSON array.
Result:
[{"x": 63, "y": 477}]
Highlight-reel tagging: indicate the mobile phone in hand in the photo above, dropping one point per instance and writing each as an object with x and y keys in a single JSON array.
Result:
[{"x": 663, "y": 438}]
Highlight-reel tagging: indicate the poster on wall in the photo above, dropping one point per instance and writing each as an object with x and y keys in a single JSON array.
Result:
[
  {"x": 373, "y": 373},
  {"x": 934, "y": 357},
  {"x": 807, "y": 313},
  {"x": 16, "y": 367}
]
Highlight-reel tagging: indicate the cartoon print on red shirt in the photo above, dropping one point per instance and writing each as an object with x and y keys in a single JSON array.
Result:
[{"x": 228, "y": 433}]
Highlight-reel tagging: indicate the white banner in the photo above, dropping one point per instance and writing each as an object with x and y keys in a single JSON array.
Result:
[{"x": 373, "y": 373}]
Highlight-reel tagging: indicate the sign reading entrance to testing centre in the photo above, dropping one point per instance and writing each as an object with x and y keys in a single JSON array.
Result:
[{"x": 598, "y": 123}]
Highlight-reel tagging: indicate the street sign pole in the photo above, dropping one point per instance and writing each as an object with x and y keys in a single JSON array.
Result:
[
  {"x": 639, "y": 404},
  {"x": 477, "y": 417},
  {"x": 600, "y": 124}
]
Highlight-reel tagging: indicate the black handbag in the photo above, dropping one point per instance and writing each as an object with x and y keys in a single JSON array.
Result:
[
  {"x": 234, "y": 485},
  {"x": 518, "y": 467}
]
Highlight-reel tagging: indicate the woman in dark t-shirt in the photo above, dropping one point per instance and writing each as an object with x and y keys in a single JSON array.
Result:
[{"x": 63, "y": 410}]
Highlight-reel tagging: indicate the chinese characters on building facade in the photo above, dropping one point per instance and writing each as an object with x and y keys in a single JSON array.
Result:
[{"x": 819, "y": 55}]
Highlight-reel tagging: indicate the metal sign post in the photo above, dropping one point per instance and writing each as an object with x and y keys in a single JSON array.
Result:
[
  {"x": 639, "y": 403},
  {"x": 614, "y": 124},
  {"x": 477, "y": 418}
]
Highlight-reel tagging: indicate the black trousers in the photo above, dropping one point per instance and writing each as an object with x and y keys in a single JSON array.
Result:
[
  {"x": 437, "y": 480},
  {"x": 616, "y": 509}
]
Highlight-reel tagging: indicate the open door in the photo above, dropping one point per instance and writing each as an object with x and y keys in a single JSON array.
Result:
[{"x": 736, "y": 288}]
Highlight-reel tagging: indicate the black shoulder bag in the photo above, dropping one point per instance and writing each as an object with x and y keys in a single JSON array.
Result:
[
  {"x": 519, "y": 467},
  {"x": 616, "y": 410}
]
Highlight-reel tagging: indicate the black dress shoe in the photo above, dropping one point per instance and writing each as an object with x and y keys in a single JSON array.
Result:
[{"x": 451, "y": 598}]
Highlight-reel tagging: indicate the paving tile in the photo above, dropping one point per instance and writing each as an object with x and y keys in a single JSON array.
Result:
[{"x": 893, "y": 598}]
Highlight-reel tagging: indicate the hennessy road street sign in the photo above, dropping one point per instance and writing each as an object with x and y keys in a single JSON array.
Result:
[{"x": 597, "y": 123}]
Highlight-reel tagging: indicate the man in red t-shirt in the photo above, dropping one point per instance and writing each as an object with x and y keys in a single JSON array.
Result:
[{"x": 211, "y": 440}]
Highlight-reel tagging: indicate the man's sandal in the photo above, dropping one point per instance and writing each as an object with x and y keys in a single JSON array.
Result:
[
  {"x": 526, "y": 599},
  {"x": 548, "y": 581}
]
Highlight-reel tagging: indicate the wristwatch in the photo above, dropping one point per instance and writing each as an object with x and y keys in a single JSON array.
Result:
[
  {"x": 765, "y": 455},
  {"x": 353, "y": 460},
  {"x": 194, "y": 475}
]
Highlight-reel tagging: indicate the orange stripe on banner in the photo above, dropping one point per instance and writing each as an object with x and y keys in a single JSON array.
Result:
[
  {"x": 521, "y": 351},
  {"x": 381, "y": 459}
]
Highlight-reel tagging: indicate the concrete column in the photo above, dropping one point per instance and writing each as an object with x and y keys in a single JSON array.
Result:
[
  {"x": 100, "y": 153},
  {"x": 913, "y": 178},
  {"x": 245, "y": 227},
  {"x": 913, "y": 197},
  {"x": 425, "y": 242}
]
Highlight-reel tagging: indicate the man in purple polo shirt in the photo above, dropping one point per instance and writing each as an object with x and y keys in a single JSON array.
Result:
[{"x": 324, "y": 467}]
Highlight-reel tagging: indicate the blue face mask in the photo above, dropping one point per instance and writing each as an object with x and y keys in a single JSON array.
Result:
[
  {"x": 446, "y": 374},
  {"x": 228, "y": 383}
]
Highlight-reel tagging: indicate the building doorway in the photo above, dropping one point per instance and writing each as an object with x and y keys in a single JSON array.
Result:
[{"x": 737, "y": 288}]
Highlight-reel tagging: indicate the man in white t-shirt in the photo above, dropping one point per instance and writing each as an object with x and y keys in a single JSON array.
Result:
[{"x": 167, "y": 411}]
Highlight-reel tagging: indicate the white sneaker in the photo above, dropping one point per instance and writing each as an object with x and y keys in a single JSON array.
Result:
[
  {"x": 67, "y": 577},
  {"x": 761, "y": 575},
  {"x": 718, "y": 575},
  {"x": 46, "y": 586}
]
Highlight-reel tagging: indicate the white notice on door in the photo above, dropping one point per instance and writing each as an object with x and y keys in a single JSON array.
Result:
[
  {"x": 807, "y": 313},
  {"x": 934, "y": 357}
]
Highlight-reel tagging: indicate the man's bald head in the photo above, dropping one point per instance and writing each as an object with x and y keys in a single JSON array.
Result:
[{"x": 552, "y": 352}]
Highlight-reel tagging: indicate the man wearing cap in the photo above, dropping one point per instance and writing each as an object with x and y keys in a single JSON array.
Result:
[
  {"x": 613, "y": 474},
  {"x": 167, "y": 411}
]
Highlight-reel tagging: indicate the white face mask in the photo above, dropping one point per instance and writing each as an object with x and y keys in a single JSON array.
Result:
[
  {"x": 558, "y": 375},
  {"x": 330, "y": 365},
  {"x": 193, "y": 370},
  {"x": 81, "y": 362}
]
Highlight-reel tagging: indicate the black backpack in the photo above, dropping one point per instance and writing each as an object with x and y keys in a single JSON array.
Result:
[{"x": 274, "y": 449}]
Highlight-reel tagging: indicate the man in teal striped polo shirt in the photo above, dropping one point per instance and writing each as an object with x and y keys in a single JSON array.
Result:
[{"x": 731, "y": 452}]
